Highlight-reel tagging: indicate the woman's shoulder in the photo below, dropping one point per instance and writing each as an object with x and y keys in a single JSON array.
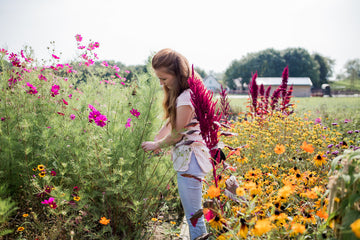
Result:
[{"x": 184, "y": 98}]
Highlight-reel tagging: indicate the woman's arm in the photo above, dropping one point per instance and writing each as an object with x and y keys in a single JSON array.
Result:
[
  {"x": 183, "y": 116},
  {"x": 164, "y": 131}
]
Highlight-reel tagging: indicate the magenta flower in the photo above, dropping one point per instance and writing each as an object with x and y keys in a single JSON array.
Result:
[
  {"x": 3, "y": 119},
  {"x": 101, "y": 120},
  {"x": 122, "y": 83},
  {"x": 317, "y": 120},
  {"x": 54, "y": 56},
  {"x": 55, "y": 90},
  {"x": 42, "y": 77},
  {"x": 135, "y": 112},
  {"x": 65, "y": 102},
  {"x": 32, "y": 90},
  {"x": 118, "y": 75},
  {"x": 70, "y": 96},
  {"x": 78, "y": 37},
  {"x": 50, "y": 202},
  {"x": 53, "y": 173},
  {"x": 128, "y": 123},
  {"x": 127, "y": 71},
  {"x": 92, "y": 107},
  {"x": 105, "y": 64},
  {"x": 72, "y": 116},
  {"x": 3, "y": 51},
  {"x": 93, "y": 115}
]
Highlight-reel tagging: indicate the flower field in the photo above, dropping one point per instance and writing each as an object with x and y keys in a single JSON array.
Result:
[{"x": 72, "y": 167}]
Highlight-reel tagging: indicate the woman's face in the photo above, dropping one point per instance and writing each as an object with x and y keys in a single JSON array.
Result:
[{"x": 166, "y": 78}]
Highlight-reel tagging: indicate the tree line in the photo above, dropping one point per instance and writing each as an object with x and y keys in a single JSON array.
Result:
[{"x": 271, "y": 63}]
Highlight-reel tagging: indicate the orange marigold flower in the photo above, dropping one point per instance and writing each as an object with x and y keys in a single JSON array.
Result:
[
  {"x": 261, "y": 227},
  {"x": 279, "y": 149},
  {"x": 104, "y": 221},
  {"x": 298, "y": 228},
  {"x": 25, "y": 215},
  {"x": 213, "y": 191},
  {"x": 322, "y": 214},
  {"x": 307, "y": 147},
  {"x": 355, "y": 227}
]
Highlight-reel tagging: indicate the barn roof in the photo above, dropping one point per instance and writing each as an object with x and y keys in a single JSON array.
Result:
[{"x": 276, "y": 81}]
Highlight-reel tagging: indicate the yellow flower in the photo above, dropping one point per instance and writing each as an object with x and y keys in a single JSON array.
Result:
[
  {"x": 355, "y": 227},
  {"x": 213, "y": 191},
  {"x": 40, "y": 167},
  {"x": 172, "y": 222},
  {"x": 77, "y": 198},
  {"x": 20, "y": 229},
  {"x": 261, "y": 227},
  {"x": 319, "y": 160},
  {"x": 104, "y": 221},
  {"x": 240, "y": 191},
  {"x": 42, "y": 174},
  {"x": 25, "y": 215},
  {"x": 217, "y": 222},
  {"x": 279, "y": 149},
  {"x": 154, "y": 219}
]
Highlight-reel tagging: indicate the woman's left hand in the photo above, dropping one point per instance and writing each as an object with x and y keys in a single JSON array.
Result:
[{"x": 150, "y": 146}]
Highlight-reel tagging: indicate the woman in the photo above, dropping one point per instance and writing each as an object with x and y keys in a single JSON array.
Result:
[{"x": 173, "y": 71}]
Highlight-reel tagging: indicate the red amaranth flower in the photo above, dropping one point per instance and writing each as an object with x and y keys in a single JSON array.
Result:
[
  {"x": 253, "y": 91},
  {"x": 225, "y": 105},
  {"x": 206, "y": 113}
]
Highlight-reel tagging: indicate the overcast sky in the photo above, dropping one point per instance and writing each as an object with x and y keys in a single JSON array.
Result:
[{"x": 209, "y": 33}]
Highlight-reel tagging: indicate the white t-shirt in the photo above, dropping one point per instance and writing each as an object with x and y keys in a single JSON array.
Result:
[{"x": 181, "y": 154}]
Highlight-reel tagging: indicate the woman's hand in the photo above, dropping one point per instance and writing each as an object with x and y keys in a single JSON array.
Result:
[{"x": 151, "y": 146}]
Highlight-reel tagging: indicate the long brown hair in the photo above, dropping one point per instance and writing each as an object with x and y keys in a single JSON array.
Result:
[{"x": 177, "y": 65}]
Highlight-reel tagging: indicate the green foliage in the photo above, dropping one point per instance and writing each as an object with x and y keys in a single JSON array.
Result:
[
  {"x": 344, "y": 187},
  {"x": 7, "y": 208},
  {"x": 113, "y": 177}
]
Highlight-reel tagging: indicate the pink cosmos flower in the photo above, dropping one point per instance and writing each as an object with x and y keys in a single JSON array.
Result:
[
  {"x": 50, "y": 202},
  {"x": 123, "y": 83},
  {"x": 3, "y": 51},
  {"x": 118, "y": 75},
  {"x": 116, "y": 68},
  {"x": 135, "y": 112},
  {"x": 70, "y": 96},
  {"x": 105, "y": 64},
  {"x": 101, "y": 120},
  {"x": 127, "y": 71},
  {"x": 128, "y": 123},
  {"x": 55, "y": 90},
  {"x": 92, "y": 107},
  {"x": 53, "y": 173},
  {"x": 42, "y": 77},
  {"x": 65, "y": 102},
  {"x": 54, "y": 56},
  {"x": 72, "y": 116},
  {"x": 81, "y": 47},
  {"x": 78, "y": 37},
  {"x": 32, "y": 90},
  {"x": 93, "y": 115}
]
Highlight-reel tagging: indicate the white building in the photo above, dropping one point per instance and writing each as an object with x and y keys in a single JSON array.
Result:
[
  {"x": 212, "y": 84},
  {"x": 301, "y": 85}
]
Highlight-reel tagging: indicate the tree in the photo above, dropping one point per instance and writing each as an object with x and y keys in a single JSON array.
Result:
[
  {"x": 353, "y": 69},
  {"x": 267, "y": 63},
  {"x": 301, "y": 64},
  {"x": 325, "y": 67}
]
